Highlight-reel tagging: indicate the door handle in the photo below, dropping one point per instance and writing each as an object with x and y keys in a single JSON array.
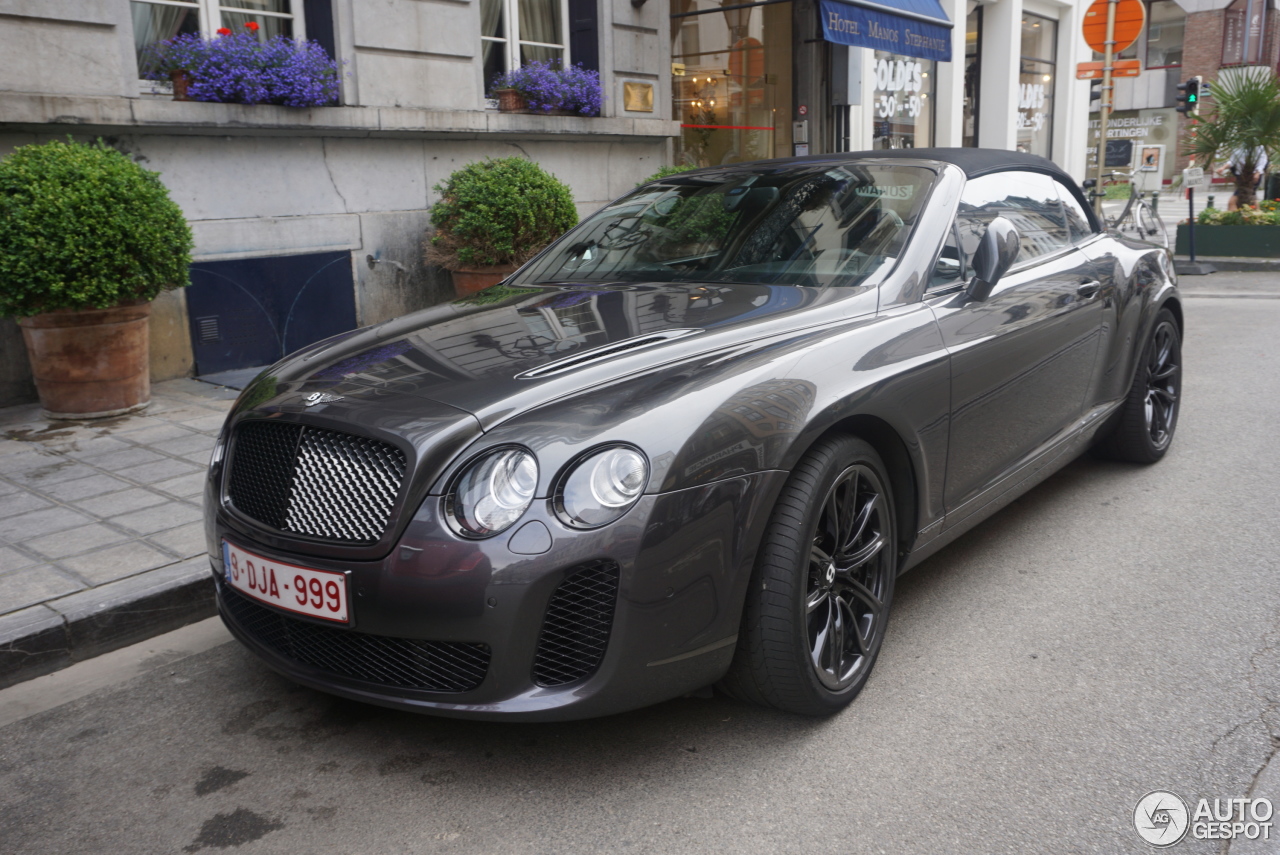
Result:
[{"x": 1088, "y": 289}]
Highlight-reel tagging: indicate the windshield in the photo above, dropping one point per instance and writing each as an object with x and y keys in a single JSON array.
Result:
[{"x": 816, "y": 226}]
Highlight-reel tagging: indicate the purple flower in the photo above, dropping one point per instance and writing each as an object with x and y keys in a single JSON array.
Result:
[
  {"x": 547, "y": 86},
  {"x": 239, "y": 69}
]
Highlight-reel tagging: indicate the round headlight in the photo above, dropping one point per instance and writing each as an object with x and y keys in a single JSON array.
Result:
[
  {"x": 494, "y": 492},
  {"x": 602, "y": 487}
]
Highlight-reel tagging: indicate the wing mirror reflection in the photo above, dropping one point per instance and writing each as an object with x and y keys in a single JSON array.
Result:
[{"x": 996, "y": 253}]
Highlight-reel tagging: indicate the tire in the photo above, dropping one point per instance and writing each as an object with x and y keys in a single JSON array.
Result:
[
  {"x": 1148, "y": 417},
  {"x": 795, "y": 649}
]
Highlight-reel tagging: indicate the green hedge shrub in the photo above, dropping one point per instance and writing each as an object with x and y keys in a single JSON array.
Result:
[
  {"x": 665, "y": 172},
  {"x": 83, "y": 226},
  {"x": 498, "y": 212}
]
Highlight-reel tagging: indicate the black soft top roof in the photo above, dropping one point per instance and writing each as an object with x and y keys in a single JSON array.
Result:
[
  {"x": 973, "y": 161},
  {"x": 984, "y": 161}
]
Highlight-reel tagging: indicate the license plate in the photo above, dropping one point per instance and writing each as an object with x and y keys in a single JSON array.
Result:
[{"x": 317, "y": 593}]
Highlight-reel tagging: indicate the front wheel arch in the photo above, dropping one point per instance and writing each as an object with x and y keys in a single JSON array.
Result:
[{"x": 901, "y": 469}]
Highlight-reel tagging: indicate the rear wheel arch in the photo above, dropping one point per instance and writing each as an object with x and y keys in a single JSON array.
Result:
[{"x": 1174, "y": 305}]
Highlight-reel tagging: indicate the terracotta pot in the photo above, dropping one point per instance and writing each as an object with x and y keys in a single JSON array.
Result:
[
  {"x": 510, "y": 100},
  {"x": 181, "y": 82},
  {"x": 91, "y": 363},
  {"x": 471, "y": 280}
]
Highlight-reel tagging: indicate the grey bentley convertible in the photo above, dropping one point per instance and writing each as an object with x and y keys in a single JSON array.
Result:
[{"x": 692, "y": 443}]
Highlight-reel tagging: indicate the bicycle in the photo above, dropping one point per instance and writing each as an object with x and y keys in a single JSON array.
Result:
[{"x": 1138, "y": 219}]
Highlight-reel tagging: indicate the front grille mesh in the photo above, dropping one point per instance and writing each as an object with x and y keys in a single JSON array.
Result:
[
  {"x": 402, "y": 663},
  {"x": 575, "y": 631},
  {"x": 314, "y": 481}
]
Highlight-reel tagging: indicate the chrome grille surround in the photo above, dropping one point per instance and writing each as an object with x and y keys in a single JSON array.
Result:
[{"x": 314, "y": 481}]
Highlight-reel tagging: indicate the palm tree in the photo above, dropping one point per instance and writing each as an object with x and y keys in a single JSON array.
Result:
[{"x": 1245, "y": 118}]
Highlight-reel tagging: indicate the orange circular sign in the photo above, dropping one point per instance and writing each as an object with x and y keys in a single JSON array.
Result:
[{"x": 1131, "y": 17}]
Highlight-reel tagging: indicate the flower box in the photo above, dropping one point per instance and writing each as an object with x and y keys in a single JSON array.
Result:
[
  {"x": 550, "y": 89},
  {"x": 1238, "y": 241},
  {"x": 238, "y": 68}
]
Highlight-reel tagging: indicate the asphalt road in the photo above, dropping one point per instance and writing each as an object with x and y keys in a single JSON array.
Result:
[{"x": 1112, "y": 633}]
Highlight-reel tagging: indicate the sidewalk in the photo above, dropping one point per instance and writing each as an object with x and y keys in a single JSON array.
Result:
[{"x": 101, "y": 540}]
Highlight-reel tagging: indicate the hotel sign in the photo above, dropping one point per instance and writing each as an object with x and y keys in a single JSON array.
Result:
[{"x": 859, "y": 27}]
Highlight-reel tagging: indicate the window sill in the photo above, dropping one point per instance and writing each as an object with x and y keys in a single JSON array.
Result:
[{"x": 37, "y": 112}]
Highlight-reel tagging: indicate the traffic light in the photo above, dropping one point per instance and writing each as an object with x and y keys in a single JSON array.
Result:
[
  {"x": 1095, "y": 94},
  {"x": 1189, "y": 101}
]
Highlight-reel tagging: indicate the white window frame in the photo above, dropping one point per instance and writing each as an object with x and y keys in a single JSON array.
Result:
[
  {"x": 512, "y": 43},
  {"x": 210, "y": 14}
]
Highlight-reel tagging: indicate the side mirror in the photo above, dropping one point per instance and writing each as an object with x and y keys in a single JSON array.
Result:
[{"x": 996, "y": 253}]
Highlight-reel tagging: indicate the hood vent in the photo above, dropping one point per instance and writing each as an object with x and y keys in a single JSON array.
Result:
[{"x": 603, "y": 354}]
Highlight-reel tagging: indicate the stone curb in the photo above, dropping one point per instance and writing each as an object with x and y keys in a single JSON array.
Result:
[
  {"x": 41, "y": 639},
  {"x": 1228, "y": 264}
]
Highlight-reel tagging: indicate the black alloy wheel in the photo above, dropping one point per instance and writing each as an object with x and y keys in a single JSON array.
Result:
[
  {"x": 1144, "y": 425},
  {"x": 819, "y": 598},
  {"x": 845, "y": 598},
  {"x": 1163, "y": 379}
]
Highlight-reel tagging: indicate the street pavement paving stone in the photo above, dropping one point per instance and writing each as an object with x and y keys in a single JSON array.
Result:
[
  {"x": 90, "y": 505},
  {"x": 75, "y": 541},
  {"x": 123, "y": 502}
]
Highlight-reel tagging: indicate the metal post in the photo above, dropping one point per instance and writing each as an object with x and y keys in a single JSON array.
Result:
[
  {"x": 1155, "y": 202},
  {"x": 1191, "y": 223},
  {"x": 1209, "y": 201},
  {"x": 1104, "y": 106}
]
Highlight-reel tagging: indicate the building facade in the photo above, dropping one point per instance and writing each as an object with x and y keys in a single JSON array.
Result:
[
  {"x": 1182, "y": 39},
  {"x": 785, "y": 77},
  {"x": 309, "y": 222}
]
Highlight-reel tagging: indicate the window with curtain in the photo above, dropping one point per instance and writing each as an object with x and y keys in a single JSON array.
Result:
[
  {"x": 515, "y": 32},
  {"x": 157, "y": 20}
]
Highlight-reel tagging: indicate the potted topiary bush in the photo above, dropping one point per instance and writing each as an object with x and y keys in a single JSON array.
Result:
[
  {"x": 87, "y": 239},
  {"x": 493, "y": 216}
]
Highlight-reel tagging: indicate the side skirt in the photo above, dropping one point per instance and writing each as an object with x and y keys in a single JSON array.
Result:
[{"x": 1013, "y": 485}]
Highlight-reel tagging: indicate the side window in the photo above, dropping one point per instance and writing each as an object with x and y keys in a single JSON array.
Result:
[
  {"x": 1026, "y": 199},
  {"x": 1077, "y": 219}
]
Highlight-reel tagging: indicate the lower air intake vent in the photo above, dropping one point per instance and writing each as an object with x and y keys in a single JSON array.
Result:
[
  {"x": 312, "y": 481},
  {"x": 402, "y": 663},
  {"x": 575, "y": 631}
]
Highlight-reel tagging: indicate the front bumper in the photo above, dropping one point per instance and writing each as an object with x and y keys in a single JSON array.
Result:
[{"x": 683, "y": 560}]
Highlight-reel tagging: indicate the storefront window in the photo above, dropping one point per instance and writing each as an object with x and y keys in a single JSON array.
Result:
[
  {"x": 902, "y": 101},
  {"x": 1166, "y": 26},
  {"x": 972, "y": 76},
  {"x": 1036, "y": 79},
  {"x": 731, "y": 81}
]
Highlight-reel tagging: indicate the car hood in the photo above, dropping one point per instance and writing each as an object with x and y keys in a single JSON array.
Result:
[{"x": 507, "y": 349}]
